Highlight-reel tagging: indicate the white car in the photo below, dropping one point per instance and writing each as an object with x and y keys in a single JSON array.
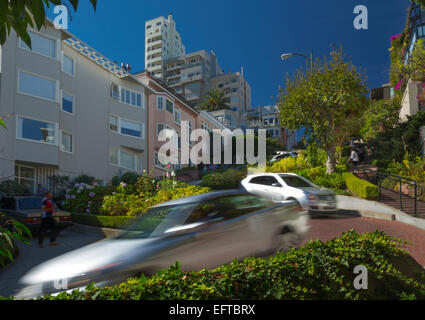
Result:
[
  {"x": 283, "y": 155},
  {"x": 290, "y": 186}
]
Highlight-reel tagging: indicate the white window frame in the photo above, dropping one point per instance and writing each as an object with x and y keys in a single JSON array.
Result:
[
  {"x": 57, "y": 83},
  {"x": 142, "y": 97},
  {"x": 119, "y": 127},
  {"x": 165, "y": 106},
  {"x": 19, "y": 177},
  {"x": 74, "y": 69},
  {"x": 57, "y": 45},
  {"x": 135, "y": 155},
  {"x": 157, "y": 128},
  {"x": 179, "y": 112},
  {"x": 73, "y": 102},
  {"x": 119, "y": 91},
  {"x": 72, "y": 142},
  {"x": 35, "y": 141},
  {"x": 163, "y": 102},
  {"x": 159, "y": 165}
]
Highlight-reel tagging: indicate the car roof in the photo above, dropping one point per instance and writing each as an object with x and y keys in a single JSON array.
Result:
[
  {"x": 202, "y": 197},
  {"x": 271, "y": 174}
]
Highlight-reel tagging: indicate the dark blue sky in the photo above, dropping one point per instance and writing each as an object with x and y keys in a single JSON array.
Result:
[{"x": 249, "y": 33}]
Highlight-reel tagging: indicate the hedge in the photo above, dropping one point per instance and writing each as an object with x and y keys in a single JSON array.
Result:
[
  {"x": 113, "y": 222},
  {"x": 315, "y": 271},
  {"x": 360, "y": 187}
]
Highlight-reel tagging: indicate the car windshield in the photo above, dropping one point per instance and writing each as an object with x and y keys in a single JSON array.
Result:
[
  {"x": 296, "y": 182},
  {"x": 29, "y": 203},
  {"x": 157, "y": 220}
]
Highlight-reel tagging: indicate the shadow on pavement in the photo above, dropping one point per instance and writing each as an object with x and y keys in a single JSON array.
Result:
[{"x": 340, "y": 214}]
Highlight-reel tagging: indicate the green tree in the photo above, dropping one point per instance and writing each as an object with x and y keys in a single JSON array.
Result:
[
  {"x": 381, "y": 115},
  {"x": 20, "y": 14},
  {"x": 416, "y": 66},
  {"x": 10, "y": 230},
  {"x": 327, "y": 100},
  {"x": 215, "y": 100}
]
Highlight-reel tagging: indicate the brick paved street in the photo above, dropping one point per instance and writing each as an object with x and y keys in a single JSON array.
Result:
[{"x": 327, "y": 228}]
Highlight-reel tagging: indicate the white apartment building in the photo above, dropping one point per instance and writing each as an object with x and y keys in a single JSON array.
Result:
[
  {"x": 71, "y": 111},
  {"x": 189, "y": 75},
  {"x": 162, "y": 42},
  {"x": 236, "y": 88}
]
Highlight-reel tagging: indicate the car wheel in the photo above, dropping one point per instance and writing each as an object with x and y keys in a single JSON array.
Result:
[
  {"x": 295, "y": 200},
  {"x": 287, "y": 239}
]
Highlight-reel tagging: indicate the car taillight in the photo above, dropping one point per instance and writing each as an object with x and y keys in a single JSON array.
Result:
[{"x": 32, "y": 220}]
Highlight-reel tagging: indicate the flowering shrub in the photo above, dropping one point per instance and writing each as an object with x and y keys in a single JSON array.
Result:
[
  {"x": 85, "y": 197},
  {"x": 121, "y": 203},
  {"x": 290, "y": 164}
]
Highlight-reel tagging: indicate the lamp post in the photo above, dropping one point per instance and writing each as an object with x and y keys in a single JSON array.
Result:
[{"x": 286, "y": 56}]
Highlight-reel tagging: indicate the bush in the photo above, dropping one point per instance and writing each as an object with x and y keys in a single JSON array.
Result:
[
  {"x": 318, "y": 176},
  {"x": 85, "y": 197},
  {"x": 123, "y": 203},
  {"x": 290, "y": 164},
  {"x": 315, "y": 271},
  {"x": 228, "y": 179},
  {"x": 11, "y": 186},
  {"x": 362, "y": 188},
  {"x": 113, "y": 222}
]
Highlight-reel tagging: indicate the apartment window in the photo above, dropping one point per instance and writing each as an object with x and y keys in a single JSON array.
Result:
[
  {"x": 159, "y": 128},
  {"x": 68, "y": 65},
  {"x": 115, "y": 91},
  {"x": 113, "y": 123},
  {"x": 158, "y": 163},
  {"x": 126, "y": 127},
  {"x": 25, "y": 176},
  {"x": 177, "y": 116},
  {"x": 36, "y": 130},
  {"x": 131, "y": 97},
  {"x": 113, "y": 156},
  {"x": 125, "y": 159},
  {"x": 41, "y": 44},
  {"x": 67, "y": 103},
  {"x": 170, "y": 106},
  {"x": 160, "y": 103},
  {"x": 37, "y": 86},
  {"x": 131, "y": 128},
  {"x": 66, "y": 142}
]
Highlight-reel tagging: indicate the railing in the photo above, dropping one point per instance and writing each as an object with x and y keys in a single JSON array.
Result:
[{"x": 379, "y": 177}]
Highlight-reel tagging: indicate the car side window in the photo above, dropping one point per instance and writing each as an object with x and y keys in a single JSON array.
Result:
[
  {"x": 8, "y": 204},
  {"x": 257, "y": 180},
  {"x": 227, "y": 207},
  {"x": 269, "y": 180}
]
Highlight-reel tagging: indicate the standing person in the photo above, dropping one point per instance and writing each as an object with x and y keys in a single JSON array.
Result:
[
  {"x": 47, "y": 220},
  {"x": 354, "y": 157}
]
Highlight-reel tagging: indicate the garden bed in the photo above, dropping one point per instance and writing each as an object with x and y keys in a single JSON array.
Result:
[{"x": 318, "y": 270}]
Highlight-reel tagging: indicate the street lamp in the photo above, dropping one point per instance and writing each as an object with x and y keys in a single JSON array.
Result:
[{"x": 286, "y": 56}]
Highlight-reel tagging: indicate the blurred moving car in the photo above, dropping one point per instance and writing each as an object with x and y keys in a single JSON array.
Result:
[
  {"x": 202, "y": 231},
  {"x": 290, "y": 186},
  {"x": 27, "y": 210},
  {"x": 283, "y": 155}
]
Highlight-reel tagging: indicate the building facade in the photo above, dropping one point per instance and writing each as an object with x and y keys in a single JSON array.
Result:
[
  {"x": 71, "y": 111},
  {"x": 268, "y": 118},
  {"x": 189, "y": 75},
  {"x": 162, "y": 42},
  {"x": 236, "y": 88}
]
